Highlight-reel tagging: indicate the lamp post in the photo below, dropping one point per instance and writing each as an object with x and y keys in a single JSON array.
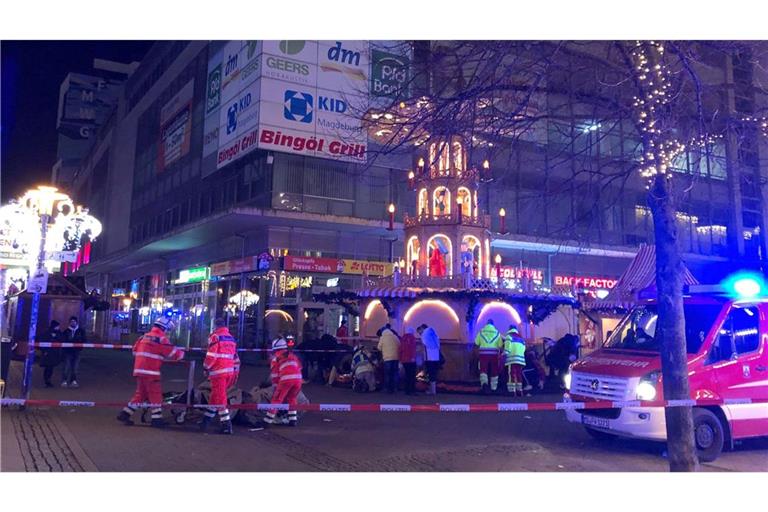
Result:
[
  {"x": 411, "y": 180},
  {"x": 502, "y": 221},
  {"x": 391, "y": 210},
  {"x": 497, "y": 260},
  {"x": 61, "y": 225}
]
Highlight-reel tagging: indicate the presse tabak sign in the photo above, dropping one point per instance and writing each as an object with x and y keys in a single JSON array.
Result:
[{"x": 336, "y": 266}]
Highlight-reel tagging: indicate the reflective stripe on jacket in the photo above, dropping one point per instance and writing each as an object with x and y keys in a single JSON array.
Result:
[
  {"x": 222, "y": 353},
  {"x": 514, "y": 349},
  {"x": 285, "y": 367},
  {"x": 488, "y": 340},
  {"x": 151, "y": 351}
]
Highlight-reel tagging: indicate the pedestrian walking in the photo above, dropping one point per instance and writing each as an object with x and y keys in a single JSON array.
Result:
[
  {"x": 219, "y": 364},
  {"x": 514, "y": 360},
  {"x": 431, "y": 342},
  {"x": 50, "y": 357},
  {"x": 149, "y": 353},
  {"x": 389, "y": 346},
  {"x": 285, "y": 370},
  {"x": 408, "y": 346},
  {"x": 73, "y": 334}
]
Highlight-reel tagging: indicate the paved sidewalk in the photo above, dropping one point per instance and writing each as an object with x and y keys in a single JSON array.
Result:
[
  {"x": 12, "y": 459},
  {"x": 37, "y": 440},
  {"x": 323, "y": 441}
]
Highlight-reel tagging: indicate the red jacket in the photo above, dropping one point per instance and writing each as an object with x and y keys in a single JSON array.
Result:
[
  {"x": 342, "y": 332},
  {"x": 150, "y": 351},
  {"x": 221, "y": 357},
  {"x": 284, "y": 368}
]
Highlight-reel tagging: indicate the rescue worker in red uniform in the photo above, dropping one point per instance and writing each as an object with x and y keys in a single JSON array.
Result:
[
  {"x": 285, "y": 370},
  {"x": 219, "y": 363},
  {"x": 149, "y": 353}
]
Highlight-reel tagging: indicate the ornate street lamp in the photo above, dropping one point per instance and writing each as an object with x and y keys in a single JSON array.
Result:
[{"x": 52, "y": 228}]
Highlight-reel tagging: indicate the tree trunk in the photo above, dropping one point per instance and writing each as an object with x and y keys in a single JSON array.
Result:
[{"x": 670, "y": 330}]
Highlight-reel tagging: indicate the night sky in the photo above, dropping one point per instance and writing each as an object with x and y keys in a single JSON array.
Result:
[{"x": 32, "y": 72}]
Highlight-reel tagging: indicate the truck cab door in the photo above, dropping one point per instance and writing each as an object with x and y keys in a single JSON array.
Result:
[{"x": 738, "y": 359}]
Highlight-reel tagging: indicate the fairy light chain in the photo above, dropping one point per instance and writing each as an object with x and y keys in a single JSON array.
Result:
[
  {"x": 654, "y": 84},
  {"x": 760, "y": 122},
  {"x": 659, "y": 154}
]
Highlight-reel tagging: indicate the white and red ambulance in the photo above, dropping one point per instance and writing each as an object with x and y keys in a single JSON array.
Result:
[{"x": 727, "y": 341}]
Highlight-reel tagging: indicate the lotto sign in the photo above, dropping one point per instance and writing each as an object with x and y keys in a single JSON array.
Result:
[{"x": 372, "y": 268}]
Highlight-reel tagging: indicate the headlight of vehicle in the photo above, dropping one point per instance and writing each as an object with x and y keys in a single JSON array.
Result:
[
  {"x": 567, "y": 381},
  {"x": 646, "y": 389}
]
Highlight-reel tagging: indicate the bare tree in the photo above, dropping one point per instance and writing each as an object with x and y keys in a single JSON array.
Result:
[{"x": 498, "y": 94}]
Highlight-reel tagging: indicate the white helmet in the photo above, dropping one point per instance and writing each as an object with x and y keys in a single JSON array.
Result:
[
  {"x": 164, "y": 323},
  {"x": 279, "y": 344}
]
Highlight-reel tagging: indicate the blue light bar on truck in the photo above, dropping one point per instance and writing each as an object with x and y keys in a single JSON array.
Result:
[{"x": 704, "y": 289}]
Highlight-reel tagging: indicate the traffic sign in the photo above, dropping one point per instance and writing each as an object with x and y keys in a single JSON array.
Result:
[
  {"x": 61, "y": 256},
  {"x": 38, "y": 283}
]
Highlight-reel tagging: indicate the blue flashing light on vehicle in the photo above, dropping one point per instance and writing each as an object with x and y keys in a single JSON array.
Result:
[{"x": 744, "y": 285}]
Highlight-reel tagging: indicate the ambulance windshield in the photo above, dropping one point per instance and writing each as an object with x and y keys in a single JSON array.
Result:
[{"x": 637, "y": 331}]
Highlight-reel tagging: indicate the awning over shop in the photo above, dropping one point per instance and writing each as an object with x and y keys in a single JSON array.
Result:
[
  {"x": 640, "y": 275},
  {"x": 217, "y": 227}
]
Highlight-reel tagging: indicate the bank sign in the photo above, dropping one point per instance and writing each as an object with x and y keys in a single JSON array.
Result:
[{"x": 390, "y": 74}]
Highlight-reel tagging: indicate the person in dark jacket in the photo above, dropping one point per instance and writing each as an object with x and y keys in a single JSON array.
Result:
[
  {"x": 51, "y": 357},
  {"x": 73, "y": 334}
]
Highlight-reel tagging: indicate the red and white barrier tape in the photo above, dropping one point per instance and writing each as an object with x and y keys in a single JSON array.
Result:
[
  {"x": 437, "y": 407},
  {"x": 46, "y": 344}
]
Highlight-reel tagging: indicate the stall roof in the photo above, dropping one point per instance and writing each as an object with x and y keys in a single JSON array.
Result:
[
  {"x": 640, "y": 275},
  {"x": 409, "y": 292}
]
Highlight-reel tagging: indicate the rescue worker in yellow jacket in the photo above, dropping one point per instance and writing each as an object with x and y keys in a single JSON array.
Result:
[
  {"x": 514, "y": 360},
  {"x": 489, "y": 344}
]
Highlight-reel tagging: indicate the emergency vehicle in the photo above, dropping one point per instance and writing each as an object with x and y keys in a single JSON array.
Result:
[{"x": 727, "y": 344}]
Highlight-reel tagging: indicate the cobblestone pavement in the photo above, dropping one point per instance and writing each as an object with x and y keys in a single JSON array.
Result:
[{"x": 45, "y": 444}]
